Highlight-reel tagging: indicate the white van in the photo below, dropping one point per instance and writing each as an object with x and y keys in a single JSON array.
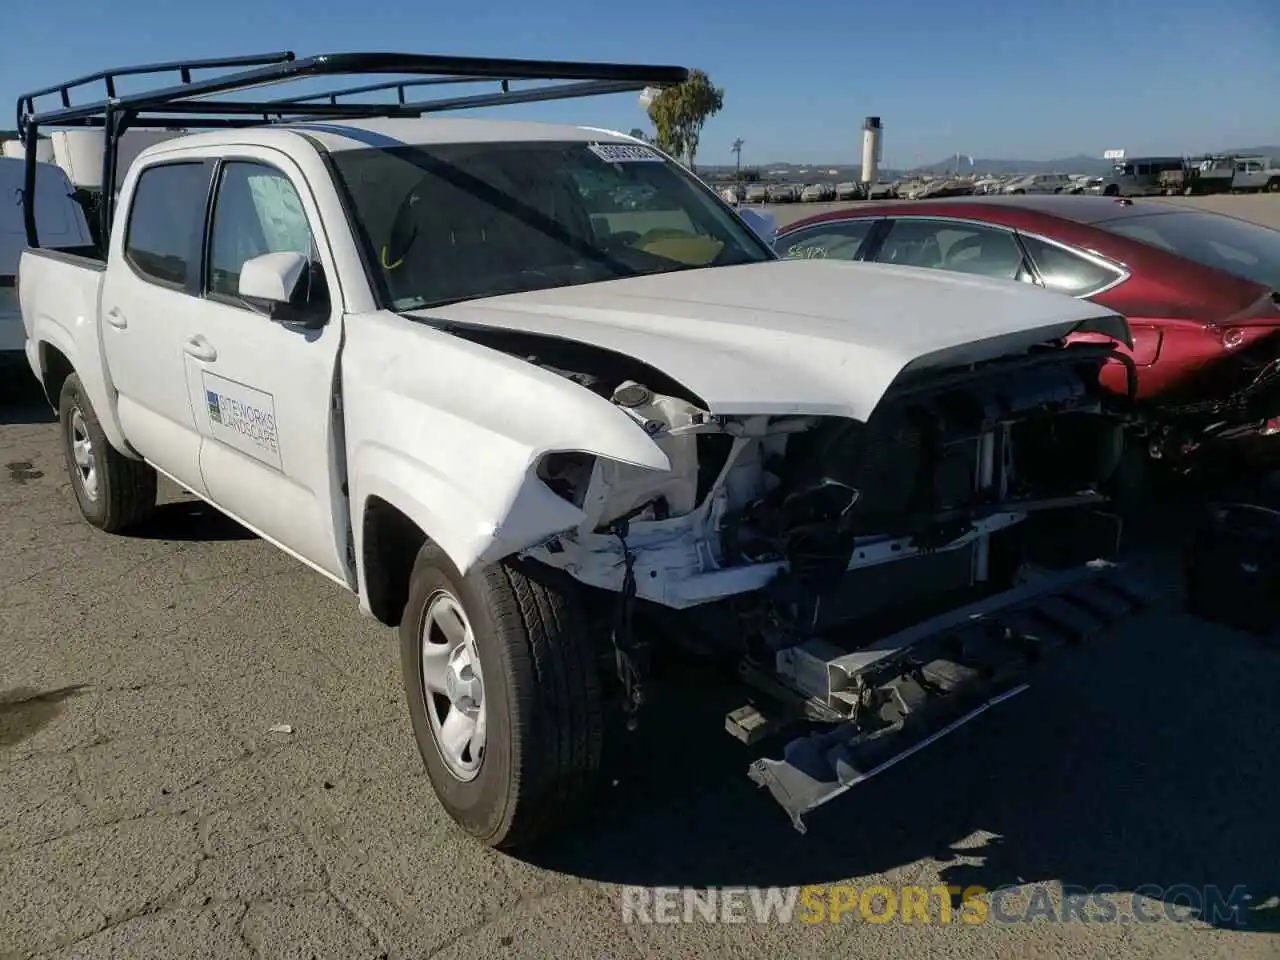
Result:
[{"x": 61, "y": 224}]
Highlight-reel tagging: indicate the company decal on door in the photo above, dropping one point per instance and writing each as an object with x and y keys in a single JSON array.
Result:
[{"x": 243, "y": 418}]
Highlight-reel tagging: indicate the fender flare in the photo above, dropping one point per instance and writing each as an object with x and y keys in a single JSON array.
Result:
[
  {"x": 467, "y": 534},
  {"x": 46, "y": 331}
]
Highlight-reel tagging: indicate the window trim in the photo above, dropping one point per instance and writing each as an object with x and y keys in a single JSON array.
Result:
[
  {"x": 206, "y": 239},
  {"x": 190, "y": 284},
  {"x": 875, "y": 220},
  {"x": 1122, "y": 273}
]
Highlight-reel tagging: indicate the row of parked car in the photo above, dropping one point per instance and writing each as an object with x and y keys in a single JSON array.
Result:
[
  {"x": 804, "y": 193},
  {"x": 907, "y": 188},
  {"x": 1136, "y": 178}
]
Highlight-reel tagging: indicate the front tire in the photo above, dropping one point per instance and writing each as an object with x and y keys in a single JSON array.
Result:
[
  {"x": 114, "y": 492},
  {"x": 503, "y": 694}
]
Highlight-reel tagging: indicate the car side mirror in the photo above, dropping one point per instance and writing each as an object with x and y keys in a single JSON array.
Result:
[
  {"x": 272, "y": 277},
  {"x": 281, "y": 285}
]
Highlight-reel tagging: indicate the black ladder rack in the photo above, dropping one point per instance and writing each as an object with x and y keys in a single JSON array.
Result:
[{"x": 212, "y": 102}]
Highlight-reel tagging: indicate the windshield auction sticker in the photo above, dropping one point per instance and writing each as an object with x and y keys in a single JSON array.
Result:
[
  {"x": 624, "y": 153},
  {"x": 243, "y": 418}
]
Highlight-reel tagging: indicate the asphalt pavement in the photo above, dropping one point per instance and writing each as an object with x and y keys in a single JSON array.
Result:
[{"x": 147, "y": 808}]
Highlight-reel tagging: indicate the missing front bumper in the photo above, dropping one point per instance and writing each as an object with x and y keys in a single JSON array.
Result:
[{"x": 923, "y": 683}]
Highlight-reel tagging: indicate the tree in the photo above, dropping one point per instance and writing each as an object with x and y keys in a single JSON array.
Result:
[
  {"x": 640, "y": 134},
  {"x": 679, "y": 112}
]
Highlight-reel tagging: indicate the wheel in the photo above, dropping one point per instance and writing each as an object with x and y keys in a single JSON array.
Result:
[
  {"x": 1273, "y": 185},
  {"x": 1111, "y": 191},
  {"x": 115, "y": 492},
  {"x": 503, "y": 694}
]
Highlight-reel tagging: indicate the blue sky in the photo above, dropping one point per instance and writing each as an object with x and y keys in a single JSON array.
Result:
[{"x": 993, "y": 78}]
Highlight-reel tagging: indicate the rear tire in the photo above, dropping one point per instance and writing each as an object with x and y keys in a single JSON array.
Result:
[
  {"x": 537, "y": 729},
  {"x": 114, "y": 492}
]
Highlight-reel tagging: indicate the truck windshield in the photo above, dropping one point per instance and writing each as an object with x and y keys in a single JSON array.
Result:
[
  {"x": 448, "y": 222},
  {"x": 1233, "y": 246}
]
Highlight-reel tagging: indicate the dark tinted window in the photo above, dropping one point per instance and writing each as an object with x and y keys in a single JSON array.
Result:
[
  {"x": 449, "y": 222},
  {"x": 960, "y": 247},
  {"x": 257, "y": 211},
  {"x": 168, "y": 209},
  {"x": 1068, "y": 272},
  {"x": 1233, "y": 246},
  {"x": 825, "y": 241}
]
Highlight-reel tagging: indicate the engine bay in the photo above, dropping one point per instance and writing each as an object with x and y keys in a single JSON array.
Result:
[
  {"x": 769, "y": 533},
  {"x": 939, "y": 461}
]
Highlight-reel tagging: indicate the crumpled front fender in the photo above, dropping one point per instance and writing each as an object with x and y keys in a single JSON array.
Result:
[{"x": 450, "y": 433}]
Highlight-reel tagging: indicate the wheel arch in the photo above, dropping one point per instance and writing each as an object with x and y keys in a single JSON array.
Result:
[
  {"x": 405, "y": 506},
  {"x": 55, "y": 368}
]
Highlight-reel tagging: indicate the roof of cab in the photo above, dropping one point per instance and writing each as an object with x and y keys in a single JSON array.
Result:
[{"x": 386, "y": 132}]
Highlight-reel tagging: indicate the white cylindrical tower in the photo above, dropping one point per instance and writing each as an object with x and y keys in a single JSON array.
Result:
[{"x": 871, "y": 150}]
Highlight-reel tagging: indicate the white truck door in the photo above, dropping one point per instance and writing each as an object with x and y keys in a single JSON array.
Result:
[
  {"x": 264, "y": 390},
  {"x": 149, "y": 297}
]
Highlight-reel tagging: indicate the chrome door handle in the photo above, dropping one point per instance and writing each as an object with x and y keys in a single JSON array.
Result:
[
  {"x": 116, "y": 318},
  {"x": 201, "y": 349}
]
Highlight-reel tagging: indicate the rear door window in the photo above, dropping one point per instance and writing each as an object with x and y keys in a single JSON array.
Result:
[{"x": 165, "y": 221}]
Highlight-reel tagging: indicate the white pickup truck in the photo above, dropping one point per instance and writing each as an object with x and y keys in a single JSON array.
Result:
[{"x": 535, "y": 395}]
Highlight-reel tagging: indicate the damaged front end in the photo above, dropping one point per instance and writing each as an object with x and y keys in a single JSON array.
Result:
[
  {"x": 889, "y": 578},
  {"x": 1187, "y": 433}
]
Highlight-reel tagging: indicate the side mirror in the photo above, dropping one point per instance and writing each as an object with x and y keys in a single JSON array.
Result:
[
  {"x": 763, "y": 225},
  {"x": 272, "y": 277}
]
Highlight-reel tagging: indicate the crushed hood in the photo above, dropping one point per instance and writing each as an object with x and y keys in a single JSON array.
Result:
[{"x": 794, "y": 336}]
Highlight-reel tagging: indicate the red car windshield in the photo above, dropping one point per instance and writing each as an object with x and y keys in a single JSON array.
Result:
[{"x": 1223, "y": 243}]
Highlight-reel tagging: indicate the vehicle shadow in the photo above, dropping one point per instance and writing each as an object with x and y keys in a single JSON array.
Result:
[
  {"x": 24, "y": 711},
  {"x": 21, "y": 400},
  {"x": 1145, "y": 758},
  {"x": 190, "y": 520}
]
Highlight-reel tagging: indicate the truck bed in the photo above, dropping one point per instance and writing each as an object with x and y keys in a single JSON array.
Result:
[{"x": 58, "y": 294}]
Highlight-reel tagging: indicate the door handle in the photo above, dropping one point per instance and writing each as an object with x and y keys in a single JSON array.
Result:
[
  {"x": 116, "y": 318},
  {"x": 201, "y": 349}
]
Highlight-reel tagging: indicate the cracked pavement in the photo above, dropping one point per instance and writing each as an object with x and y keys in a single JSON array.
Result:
[{"x": 147, "y": 810}]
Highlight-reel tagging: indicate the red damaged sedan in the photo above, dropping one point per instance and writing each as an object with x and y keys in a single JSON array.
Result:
[{"x": 1199, "y": 288}]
